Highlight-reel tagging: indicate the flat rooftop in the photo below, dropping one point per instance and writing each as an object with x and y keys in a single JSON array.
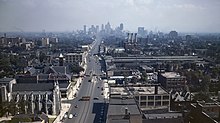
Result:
[
  {"x": 157, "y": 58},
  {"x": 76, "y": 53},
  {"x": 33, "y": 87},
  {"x": 171, "y": 75},
  {"x": 125, "y": 101},
  {"x": 120, "y": 109},
  {"x": 135, "y": 90},
  {"x": 163, "y": 115}
]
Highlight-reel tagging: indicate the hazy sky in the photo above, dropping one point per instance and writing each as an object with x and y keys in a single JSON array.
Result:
[{"x": 68, "y": 15}]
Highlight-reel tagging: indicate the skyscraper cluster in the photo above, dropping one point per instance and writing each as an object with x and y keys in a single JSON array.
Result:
[{"x": 105, "y": 28}]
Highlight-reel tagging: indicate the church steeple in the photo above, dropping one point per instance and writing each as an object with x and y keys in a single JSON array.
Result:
[{"x": 61, "y": 59}]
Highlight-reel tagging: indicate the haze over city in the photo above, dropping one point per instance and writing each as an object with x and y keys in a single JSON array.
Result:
[
  {"x": 110, "y": 61},
  {"x": 69, "y": 15}
]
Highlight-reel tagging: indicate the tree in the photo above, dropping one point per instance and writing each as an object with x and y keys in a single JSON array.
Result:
[
  {"x": 75, "y": 68},
  {"x": 134, "y": 79},
  {"x": 205, "y": 83},
  {"x": 42, "y": 56},
  {"x": 11, "y": 107},
  {"x": 8, "y": 107},
  {"x": 5, "y": 66},
  {"x": 144, "y": 77}
]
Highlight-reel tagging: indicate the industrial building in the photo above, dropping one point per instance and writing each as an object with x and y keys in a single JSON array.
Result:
[{"x": 172, "y": 81}]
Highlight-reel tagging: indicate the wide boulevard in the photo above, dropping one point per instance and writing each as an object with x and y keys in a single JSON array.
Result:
[{"x": 94, "y": 109}]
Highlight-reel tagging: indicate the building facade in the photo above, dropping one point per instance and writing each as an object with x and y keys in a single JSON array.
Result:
[
  {"x": 37, "y": 98},
  {"x": 172, "y": 81},
  {"x": 6, "y": 85},
  {"x": 148, "y": 97},
  {"x": 75, "y": 58},
  {"x": 152, "y": 98}
]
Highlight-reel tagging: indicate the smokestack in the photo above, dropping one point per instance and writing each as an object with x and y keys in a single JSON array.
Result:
[
  {"x": 156, "y": 89},
  {"x": 135, "y": 37},
  {"x": 131, "y": 39},
  {"x": 128, "y": 37}
]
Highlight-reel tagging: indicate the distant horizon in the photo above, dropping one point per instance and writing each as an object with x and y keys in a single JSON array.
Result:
[
  {"x": 113, "y": 27},
  {"x": 123, "y": 30},
  {"x": 198, "y": 16}
]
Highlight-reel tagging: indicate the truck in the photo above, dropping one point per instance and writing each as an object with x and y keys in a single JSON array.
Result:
[{"x": 85, "y": 98}]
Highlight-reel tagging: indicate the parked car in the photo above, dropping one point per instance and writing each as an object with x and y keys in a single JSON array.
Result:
[
  {"x": 65, "y": 115},
  {"x": 70, "y": 116}
]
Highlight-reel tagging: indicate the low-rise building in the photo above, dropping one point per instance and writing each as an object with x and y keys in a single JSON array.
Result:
[
  {"x": 123, "y": 110},
  {"x": 150, "y": 98},
  {"x": 172, "y": 81},
  {"x": 45, "y": 42},
  {"x": 142, "y": 103},
  {"x": 75, "y": 57},
  {"x": 169, "y": 117}
]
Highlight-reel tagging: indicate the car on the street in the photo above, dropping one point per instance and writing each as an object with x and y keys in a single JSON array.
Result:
[
  {"x": 70, "y": 116},
  {"x": 75, "y": 115},
  {"x": 96, "y": 98},
  {"x": 76, "y": 106}
]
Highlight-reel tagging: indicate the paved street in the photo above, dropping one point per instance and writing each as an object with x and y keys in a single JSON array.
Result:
[{"x": 91, "y": 85}]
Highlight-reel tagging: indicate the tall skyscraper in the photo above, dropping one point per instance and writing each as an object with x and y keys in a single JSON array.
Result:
[
  {"x": 121, "y": 27},
  {"x": 141, "y": 31},
  {"x": 102, "y": 27},
  {"x": 93, "y": 28},
  {"x": 97, "y": 28},
  {"x": 108, "y": 27},
  {"x": 84, "y": 29},
  {"x": 173, "y": 34}
]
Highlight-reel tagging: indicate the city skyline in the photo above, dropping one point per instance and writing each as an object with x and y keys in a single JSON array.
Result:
[{"x": 57, "y": 15}]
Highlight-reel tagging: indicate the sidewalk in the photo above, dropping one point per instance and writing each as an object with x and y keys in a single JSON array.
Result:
[
  {"x": 106, "y": 90},
  {"x": 5, "y": 118},
  {"x": 66, "y": 106},
  {"x": 64, "y": 109}
]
